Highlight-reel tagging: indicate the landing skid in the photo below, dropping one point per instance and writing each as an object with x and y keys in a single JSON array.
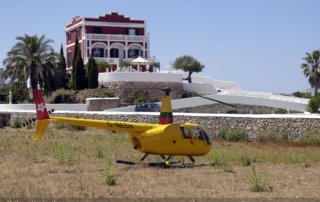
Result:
[{"x": 174, "y": 164}]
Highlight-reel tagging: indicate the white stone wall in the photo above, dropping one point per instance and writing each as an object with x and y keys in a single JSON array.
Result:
[
  {"x": 139, "y": 77},
  {"x": 200, "y": 88},
  {"x": 31, "y": 107}
]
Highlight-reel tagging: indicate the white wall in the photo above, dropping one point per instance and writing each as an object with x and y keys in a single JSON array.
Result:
[
  {"x": 56, "y": 107},
  {"x": 140, "y": 76},
  {"x": 200, "y": 88},
  {"x": 218, "y": 84}
]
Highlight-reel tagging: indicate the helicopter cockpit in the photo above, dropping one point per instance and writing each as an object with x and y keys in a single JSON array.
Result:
[{"x": 200, "y": 133}]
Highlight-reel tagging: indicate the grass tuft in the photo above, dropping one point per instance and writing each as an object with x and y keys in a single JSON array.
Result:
[
  {"x": 98, "y": 149},
  {"x": 220, "y": 160},
  {"x": 109, "y": 175},
  {"x": 246, "y": 161},
  {"x": 259, "y": 182},
  {"x": 63, "y": 153},
  {"x": 7, "y": 144},
  {"x": 312, "y": 139}
]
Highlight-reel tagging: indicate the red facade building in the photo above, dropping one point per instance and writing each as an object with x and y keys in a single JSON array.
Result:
[{"x": 112, "y": 38}]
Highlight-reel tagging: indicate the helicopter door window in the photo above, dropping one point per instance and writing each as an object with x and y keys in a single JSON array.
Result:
[
  {"x": 185, "y": 133},
  {"x": 207, "y": 135},
  {"x": 198, "y": 134}
]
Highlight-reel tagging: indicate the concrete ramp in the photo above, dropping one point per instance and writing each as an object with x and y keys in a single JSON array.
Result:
[{"x": 275, "y": 101}]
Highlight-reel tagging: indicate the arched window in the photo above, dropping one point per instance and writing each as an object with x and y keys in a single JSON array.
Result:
[{"x": 98, "y": 52}]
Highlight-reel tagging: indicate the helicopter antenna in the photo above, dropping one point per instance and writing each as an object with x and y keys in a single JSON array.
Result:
[{"x": 167, "y": 90}]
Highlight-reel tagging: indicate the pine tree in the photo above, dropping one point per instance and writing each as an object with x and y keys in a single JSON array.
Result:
[
  {"x": 80, "y": 81},
  {"x": 75, "y": 52},
  {"x": 93, "y": 73},
  {"x": 79, "y": 78},
  {"x": 62, "y": 69}
]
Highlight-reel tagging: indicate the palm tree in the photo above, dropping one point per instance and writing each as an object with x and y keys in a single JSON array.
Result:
[
  {"x": 31, "y": 58},
  {"x": 311, "y": 69}
]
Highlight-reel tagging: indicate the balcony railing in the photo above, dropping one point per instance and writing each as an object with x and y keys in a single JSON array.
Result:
[
  {"x": 112, "y": 37},
  {"x": 112, "y": 61}
]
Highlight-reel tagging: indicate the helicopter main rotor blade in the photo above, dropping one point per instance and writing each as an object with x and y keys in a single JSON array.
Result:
[{"x": 230, "y": 105}]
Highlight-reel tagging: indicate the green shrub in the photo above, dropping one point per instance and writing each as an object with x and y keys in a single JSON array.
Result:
[
  {"x": 221, "y": 161},
  {"x": 62, "y": 96},
  {"x": 273, "y": 135},
  {"x": 258, "y": 181},
  {"x": 235, "y": 135},
  {"x": 16, "y": 123},
  {"x": 312, "y": 138},
  {"x": 246, "y": 161},
  {"x": 314, "y": 104},
  {"x": 189, "y": 94},
  {"x": 139, "y": 97},
  {"x": 302, "y": 94}
]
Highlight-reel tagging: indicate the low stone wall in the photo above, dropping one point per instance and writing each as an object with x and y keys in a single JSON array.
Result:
[
  {"x": 255, "y": 126},
  {"x": 100, "y": 104},
  {"x": 126, "y": 90},
  {"x": 238, "y": 109}
]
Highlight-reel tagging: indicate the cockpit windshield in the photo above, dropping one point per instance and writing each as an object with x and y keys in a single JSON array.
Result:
[
  {"x": 206, "y": 134},
  {"x": 198, "y": 133}
]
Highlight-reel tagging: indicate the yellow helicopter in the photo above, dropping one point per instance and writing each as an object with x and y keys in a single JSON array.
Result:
[{"x": 165, "y": 139}]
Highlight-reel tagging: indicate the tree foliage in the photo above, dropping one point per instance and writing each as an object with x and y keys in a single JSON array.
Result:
[
  {"x": 62, "y": 69},
  {"x": 102, "y": 66},
  {"x": 19, "y": 93},
  {"x": 311, "y": 69},
  {"x": 125, "y": 63},
  {"x": 93, "y": 73},
  {"x": 302, "y": 94},
  {"x": 188, "y": 64},
  {"x": 33, "y": 58},
  {"x": 314, "y": 104},
  {"x": 79, "y": 81},
  {"x": 79, "y": 78}
]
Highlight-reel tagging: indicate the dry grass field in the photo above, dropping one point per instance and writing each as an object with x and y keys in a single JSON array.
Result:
[{"x": 81, "y": 164}]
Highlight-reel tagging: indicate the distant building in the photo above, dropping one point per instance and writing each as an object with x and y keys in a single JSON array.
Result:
[{"x": 112, "y": 38}]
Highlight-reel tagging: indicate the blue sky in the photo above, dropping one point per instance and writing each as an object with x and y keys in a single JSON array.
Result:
[{"x": 257, "y": 43}]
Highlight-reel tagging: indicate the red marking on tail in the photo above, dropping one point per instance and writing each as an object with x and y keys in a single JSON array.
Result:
[{"x": 42, "y": 112}]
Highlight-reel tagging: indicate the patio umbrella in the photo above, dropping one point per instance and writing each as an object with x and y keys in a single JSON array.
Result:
[{"x": 140, "y": 61}]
